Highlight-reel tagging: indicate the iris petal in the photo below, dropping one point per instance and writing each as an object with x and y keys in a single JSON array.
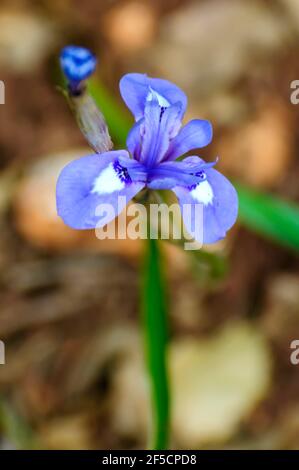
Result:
[
  {"x": 159, "y": 127},
  {"x": 219, "y": 202},
  {"x": 134, "y": 140},
  {"x": 89, "y": 182},
  {"x": 137, "y": 89},
  {"x": 188, "y": 172},
  {"x": 194, "y": 135}
]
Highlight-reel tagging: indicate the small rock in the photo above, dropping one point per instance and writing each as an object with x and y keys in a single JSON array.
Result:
[{"x": 216, "y": 383}]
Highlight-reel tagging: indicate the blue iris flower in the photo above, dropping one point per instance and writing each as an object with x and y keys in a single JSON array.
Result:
[{"x": 154, "y": 145}]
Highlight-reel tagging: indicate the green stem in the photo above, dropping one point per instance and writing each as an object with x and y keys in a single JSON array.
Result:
[{"x": 156, "y": 335}]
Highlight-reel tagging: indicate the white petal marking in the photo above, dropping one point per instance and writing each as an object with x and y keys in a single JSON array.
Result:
[
  {"x": 203, "y": 193},
  {"x": 163, "y": 102},
  {"x": 107, "y": 182}
]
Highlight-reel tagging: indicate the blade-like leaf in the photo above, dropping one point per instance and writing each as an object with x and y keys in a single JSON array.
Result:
[{"x": 270, "y": 216}]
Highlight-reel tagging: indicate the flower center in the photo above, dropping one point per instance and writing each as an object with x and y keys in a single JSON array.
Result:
[{"x": 200, "y": 174}]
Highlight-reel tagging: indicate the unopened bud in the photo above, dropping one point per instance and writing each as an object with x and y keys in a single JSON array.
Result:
[{"x": 78, "y": 64}]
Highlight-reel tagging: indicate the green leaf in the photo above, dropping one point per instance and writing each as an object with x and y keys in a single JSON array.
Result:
[
  {"x": 155, "y": 331},
  {"x": 269, "y": 216}
]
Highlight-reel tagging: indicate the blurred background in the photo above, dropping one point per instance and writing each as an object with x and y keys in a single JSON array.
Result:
[{"x": 69, "y": 309}]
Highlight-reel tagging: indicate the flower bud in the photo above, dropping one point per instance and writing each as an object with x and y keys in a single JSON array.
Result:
[{"x": 78, "y": 64}]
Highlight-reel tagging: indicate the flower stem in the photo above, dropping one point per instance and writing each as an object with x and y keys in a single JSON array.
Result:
[{"x": 156, "y": 336}]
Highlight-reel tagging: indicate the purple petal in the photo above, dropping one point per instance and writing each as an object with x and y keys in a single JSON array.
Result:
[
  {"x": 86, "y": 186},
  {"x": 136, "y": 89},
  {"x": 134, "y": 140},
  {"x": 159, "y": 127},
  {"x": 187, "y": 172},
  {"x": 196, "y": 134},
  {"x": 219, "y": 202}
]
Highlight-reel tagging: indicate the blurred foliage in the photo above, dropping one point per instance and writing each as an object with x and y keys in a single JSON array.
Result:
[
  {"x": 209, "y": 266},
  {"x": 16, "y": 431},
  {"x": 269, "y": 216}
]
